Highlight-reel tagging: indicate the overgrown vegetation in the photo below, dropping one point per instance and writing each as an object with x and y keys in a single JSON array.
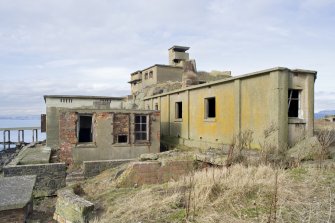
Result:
[
  {"x": 236, "y": 194},
  {"x": 271, "y": 191}
]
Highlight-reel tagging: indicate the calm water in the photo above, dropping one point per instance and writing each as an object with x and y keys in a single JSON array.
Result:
[{"x": 7, "y": 123}]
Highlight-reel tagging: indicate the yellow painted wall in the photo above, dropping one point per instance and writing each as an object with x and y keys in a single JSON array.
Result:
[
  {"x": 221, "y": 128},
  {"x": 256, "y": 94},
  {"x": 164, "y": 107},
  {"x": 252, "y": 102}
]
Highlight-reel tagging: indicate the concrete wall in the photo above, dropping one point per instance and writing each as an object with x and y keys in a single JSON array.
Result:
[
  {"x": 154, "y": 172},
  {"x": 72, "y": 208},
  {"x": 55, "y": 104},
  {"x": 149, "y": 81},
  {"x": 304, "y": 124},
  {"x": 104, "y": 145},
  {"x": 49, "y": 177},
  {"x": 167, "y": 73},
  {"x": 161, "y": 74},
  {"x": 254, "y": 102},
  {"x": 93, "y": 168}
]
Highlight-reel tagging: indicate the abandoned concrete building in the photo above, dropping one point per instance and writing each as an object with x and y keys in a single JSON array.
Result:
[
  {"x": 96, "y": 128},
  {"x": 330, "y": 118},
  {"x": 177, "y": 104}
]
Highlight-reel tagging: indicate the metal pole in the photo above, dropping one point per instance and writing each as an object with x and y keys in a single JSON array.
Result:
[
  {"x": 33, "y": 136},
  {"x": 4, "y": 139},
  {"x": 9, "y": 139},
  {"x": 6, "y": 143},
  {"x": 36, "y": 132},
  {"x": 21, "y": 135}
]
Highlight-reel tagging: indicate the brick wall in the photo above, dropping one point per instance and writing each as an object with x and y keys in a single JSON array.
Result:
[
  {"x": 121, "y": 125},
  {"x": 93, "y": 168},
  {"x": 49, "y": 177},
  {"x": 67, "y": 135},
  {"x": 153, "y": 172}
]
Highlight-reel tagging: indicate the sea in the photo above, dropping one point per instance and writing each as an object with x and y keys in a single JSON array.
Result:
[{"x": 20, "y": 121}]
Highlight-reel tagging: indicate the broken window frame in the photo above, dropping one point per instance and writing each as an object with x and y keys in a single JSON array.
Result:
[
  {"x": 122, "y": 135},
  {"x": 151, "y": 74},
  {"x": 179, "y": 110},
  {"x": 79, "y": 129},
  {"x": 209, "y": 111},
  {"x": 138, "y": 127},
  {"x": 156, "y": 106},
  {"x": 294, "y": 101}
]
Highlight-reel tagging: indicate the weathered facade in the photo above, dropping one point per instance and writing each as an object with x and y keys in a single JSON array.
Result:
[
  {"x": 197, "y": 109},
  {"x": 278, "y": 99},
  {"x": 173, "y": 72},
  {"x": 54, "y": 103},
  {"x": 96, "y": 128}
]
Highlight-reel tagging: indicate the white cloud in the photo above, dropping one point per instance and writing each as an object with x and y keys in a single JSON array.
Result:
[{"x": 91, "y": 47}]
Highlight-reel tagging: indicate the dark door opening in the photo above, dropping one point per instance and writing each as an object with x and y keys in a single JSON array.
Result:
[{"x": 85, "y": 128}]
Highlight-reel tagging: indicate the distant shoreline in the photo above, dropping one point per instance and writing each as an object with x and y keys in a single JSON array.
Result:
[{"x": 20, "y": 117}]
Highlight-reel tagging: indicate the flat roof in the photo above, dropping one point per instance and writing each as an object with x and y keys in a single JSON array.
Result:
[
  {"x": 180, "y": 48},
  {"x": 234, "y": 78},
  {"x": 155, "y": 65},
  {"x": 162, "y": 65},
  {"x": 82, "y": 97}
]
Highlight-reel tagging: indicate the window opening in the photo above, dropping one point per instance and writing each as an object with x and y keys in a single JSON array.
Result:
[
  {"x": 156, "y": 106},
  {"x": 122, "y": 138},
  {"x": 141, "y": 127},
  {"x": 210, "y": 108},
  {"x": 179, "y": 110},
  {"x": 85, "y": 128},
  {"x": 293, "y": 103}
]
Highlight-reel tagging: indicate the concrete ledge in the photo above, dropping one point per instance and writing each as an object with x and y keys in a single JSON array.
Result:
[
  {"x": 32, "y": 154},
  {"x": 153, "y": 172},
  {"x": 72, "y": 208},
  {"x": 16, "y": 192},
  {"x": 93, "y": 168},
  {"x": 49, "y": 177}
]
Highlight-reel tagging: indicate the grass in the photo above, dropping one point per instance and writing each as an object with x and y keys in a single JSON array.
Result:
[{"x": 237, "y": 194}]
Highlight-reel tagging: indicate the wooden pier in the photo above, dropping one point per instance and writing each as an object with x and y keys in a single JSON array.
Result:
[{"x": 20, "y": 135}]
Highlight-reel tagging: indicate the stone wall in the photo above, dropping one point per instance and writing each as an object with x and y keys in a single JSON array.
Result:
[
  {"x": 72, "y": 208},
  {"x": 13, "y": 216},
  {"x": 49, "y": 177},
  {"x": 153, "y": 172},
  {"x": 93, "y": 168}
]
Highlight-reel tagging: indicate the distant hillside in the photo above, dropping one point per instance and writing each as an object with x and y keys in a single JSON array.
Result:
[
  {"x": 322, "y": 114},
  {"x": 20, "y": 117}
]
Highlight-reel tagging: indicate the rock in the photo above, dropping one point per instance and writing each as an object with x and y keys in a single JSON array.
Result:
[
  {"x": 305, "y": 149},
  {"x": 148, "y": 156},
  {"x": 217, "y": 160}
]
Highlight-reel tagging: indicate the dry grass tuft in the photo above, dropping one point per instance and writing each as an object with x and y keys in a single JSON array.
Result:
[{"x": 236, "y": 194}]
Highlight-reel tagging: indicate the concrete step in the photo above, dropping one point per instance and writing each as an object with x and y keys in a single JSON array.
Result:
[{"x": 74, "y": 177}]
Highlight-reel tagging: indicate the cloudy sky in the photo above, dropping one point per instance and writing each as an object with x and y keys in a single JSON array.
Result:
[{"x": 90, "y": 47}]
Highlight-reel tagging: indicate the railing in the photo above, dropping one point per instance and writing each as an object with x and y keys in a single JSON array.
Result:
[{"x": 20, "y": 135}]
